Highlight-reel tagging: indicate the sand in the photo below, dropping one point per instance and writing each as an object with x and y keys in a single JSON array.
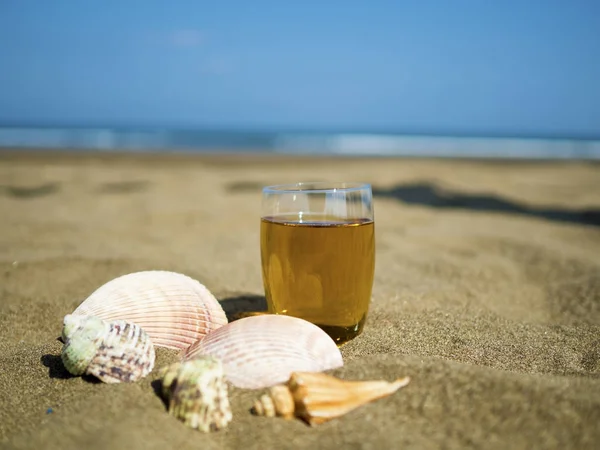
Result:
[{"x": 487, "y": 293}]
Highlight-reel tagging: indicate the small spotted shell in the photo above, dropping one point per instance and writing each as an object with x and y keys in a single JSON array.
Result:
[
  {"x": 196, "y": 393},
  {"x": 113, "y": 352}
]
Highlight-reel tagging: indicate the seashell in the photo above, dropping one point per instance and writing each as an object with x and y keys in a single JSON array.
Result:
[
  {"x": 174, "y": 309},
  {"x": 318, "y": 397},
  {"x": 113, "y": 352},
  {"x": 196, "y": 393},
  {"x": 264, "y": 350}
]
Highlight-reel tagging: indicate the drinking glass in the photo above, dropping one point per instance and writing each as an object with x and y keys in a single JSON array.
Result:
[{"x": 317, "y": 243}]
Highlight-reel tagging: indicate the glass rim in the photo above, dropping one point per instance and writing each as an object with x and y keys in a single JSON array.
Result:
[{"x": 316, "y": 187}]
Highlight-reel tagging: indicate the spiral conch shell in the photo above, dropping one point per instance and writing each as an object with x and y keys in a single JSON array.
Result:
[
  {"x": 174, "y": 309},
  {"x": 262, "y": 351},
  {"x": 196, "y": 393},
  {"x": 113, "y": 352},
  {"x": 318, "y": 397}
]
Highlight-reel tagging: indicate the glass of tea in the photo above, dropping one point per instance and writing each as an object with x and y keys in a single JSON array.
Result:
[{"x": 317, "y": 243}]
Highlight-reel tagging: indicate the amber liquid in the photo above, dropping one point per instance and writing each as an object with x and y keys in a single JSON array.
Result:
[{"x": 319, "y": 270}]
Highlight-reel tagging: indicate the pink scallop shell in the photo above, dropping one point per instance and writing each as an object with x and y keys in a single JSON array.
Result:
[
  {"x": 174, "y": 309},
  {"x": 262, "y": 351}
]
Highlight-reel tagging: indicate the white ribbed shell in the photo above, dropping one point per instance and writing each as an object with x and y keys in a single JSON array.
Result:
[
  {"x": 262, "y": 351},
  {"x": 174, "y": 309}
]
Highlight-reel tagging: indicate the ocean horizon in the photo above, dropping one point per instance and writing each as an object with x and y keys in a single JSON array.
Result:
[{"x": 309, "y": 142}]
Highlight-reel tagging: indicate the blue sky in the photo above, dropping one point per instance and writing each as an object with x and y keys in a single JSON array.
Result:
[{"x": 447, "y": 65}]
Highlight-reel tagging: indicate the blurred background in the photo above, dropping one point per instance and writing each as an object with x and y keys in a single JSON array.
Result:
[{"x": 426, "y": 78}]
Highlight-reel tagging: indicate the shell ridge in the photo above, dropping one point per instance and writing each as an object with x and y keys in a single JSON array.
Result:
[
  {"x": 260, "y": 351},
  {"x": 174, "y": 309}
]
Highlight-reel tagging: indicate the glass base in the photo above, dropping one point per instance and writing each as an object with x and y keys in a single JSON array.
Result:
[{"x": 342, "y": 335}]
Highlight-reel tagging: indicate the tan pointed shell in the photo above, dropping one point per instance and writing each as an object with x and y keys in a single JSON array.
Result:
[
  {"x": 262, "y": 351},
  {"x": 113, "y": 352},
  {"x": 318, "y": 397},
  {"x": 174, "y": 309}
]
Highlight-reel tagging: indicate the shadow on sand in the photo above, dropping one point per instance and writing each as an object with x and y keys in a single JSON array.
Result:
[
  {"x": 56, "y": 369},
  {"x": 429, "y": 195},
  {"x": 157, "y": 388},
  {"x": 244, "y": 305},
  {"x": 30, "y": 192}
]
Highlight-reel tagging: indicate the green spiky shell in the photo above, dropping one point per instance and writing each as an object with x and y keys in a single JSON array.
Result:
[
  {"x": 114, "y": 352},
  {"x": 196, "y": 392},
  {"x": 82, "y": 336}
]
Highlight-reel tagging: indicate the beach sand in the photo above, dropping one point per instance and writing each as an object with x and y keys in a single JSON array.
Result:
[{"x": 487, "y": 294}]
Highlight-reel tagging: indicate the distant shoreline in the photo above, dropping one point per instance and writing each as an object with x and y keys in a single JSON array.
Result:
[
  {"x": 296, "y": 143},
  {"x": 420, "y": 132},
  {"x": 232, "y": 156}
]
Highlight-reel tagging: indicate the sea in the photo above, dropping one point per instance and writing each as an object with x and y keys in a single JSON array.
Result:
[{"x": 385, "y": 144}]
